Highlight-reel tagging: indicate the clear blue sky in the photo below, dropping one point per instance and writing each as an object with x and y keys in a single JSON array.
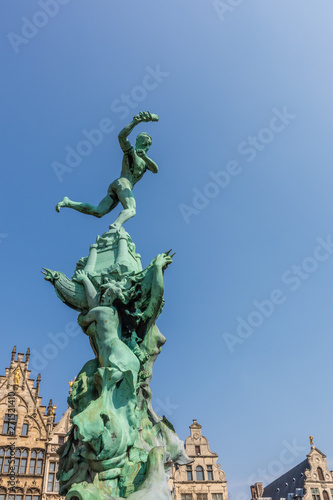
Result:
[{"x": 244, "y": 96}]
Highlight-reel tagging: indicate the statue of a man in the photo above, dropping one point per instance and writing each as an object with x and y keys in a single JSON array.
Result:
[{"x": 135, "y": 163}]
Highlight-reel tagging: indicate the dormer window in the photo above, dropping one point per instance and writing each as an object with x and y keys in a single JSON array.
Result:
[{"x": 320, "y": 474}]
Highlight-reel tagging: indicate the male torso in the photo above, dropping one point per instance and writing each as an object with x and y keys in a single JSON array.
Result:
[{"x": 133, "y": 166}]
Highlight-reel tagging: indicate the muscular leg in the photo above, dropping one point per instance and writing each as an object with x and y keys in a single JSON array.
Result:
[
  {"x": 104, "y": 207},
  {"x": 127, "y": 200}
]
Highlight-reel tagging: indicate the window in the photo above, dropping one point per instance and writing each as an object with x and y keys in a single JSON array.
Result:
[
  {"x": 332, "y": 493},
  {"x": 2, "y": 457},
  {"x": 202, "y": 496},
  {"x": 20, "y": 461},
  {"x": 32, "y": 494},
  {"x": 325, "y": 495},
  {"x": 210, "y": 473},
  {"x": 217, "y": 496},
  {"x": 52, "y": 483},
  {"x": 2, "y": 493},
  {"x": 315, "y": 494},
  {"x": 186, "y": 496},
  {"x": 61, "y": 440},
  {"x": 36, "y": 462},
  {"x": 200, "y": 473},
  {"x": 23, "y": 462},
  {"x": 320, "y": 474},
  {"x": 197, "y": 450},
  {"x": 189, "y": 473},
  {"x": 16, "y": 496},
  {"x": 25, "y": 428},
  {"x": 9, "y": 424},
  {"x": 6, "y": 464}
]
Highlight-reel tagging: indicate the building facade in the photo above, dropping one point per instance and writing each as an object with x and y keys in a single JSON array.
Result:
[
  {"x": 29, "y": 436},
  {"x": 309, "y": 480},
  {"x": 203, "y": 479}
]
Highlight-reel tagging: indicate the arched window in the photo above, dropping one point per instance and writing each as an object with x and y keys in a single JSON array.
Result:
[
  {"x": 33, "y": 494},
  {"x": 36, "y": 462},
  {"x": 7, "y": 459},
  {"x": 200, "y": 473},
  {"x": 325, "y": 495},
  {"x": 18, "y": 495},
  {"x": 3, "y": 492},
  {"x": 320, "y": 474},
  {"x": 21, "y": 461}
]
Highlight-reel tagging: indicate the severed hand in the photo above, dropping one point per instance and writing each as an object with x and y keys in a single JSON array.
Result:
[{"x": 145, "y": 116}]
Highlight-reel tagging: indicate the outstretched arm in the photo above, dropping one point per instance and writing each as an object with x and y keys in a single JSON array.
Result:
[{"x": 125, "y": 132}]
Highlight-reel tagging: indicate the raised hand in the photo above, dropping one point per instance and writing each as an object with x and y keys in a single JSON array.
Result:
[
  {"x": 164, "y": 260},
  {"x": 145, "y": 116}
]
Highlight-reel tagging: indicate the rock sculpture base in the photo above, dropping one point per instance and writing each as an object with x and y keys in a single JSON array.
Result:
[{"x": 118, "y": 447}]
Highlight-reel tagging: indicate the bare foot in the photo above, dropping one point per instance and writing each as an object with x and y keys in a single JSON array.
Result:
[{"x": 62, "y": 203}]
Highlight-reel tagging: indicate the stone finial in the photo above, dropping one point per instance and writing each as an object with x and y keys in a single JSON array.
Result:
[
  {"x": 13, "y": 355},
  {"x": 27, "y": 356},
  {"x": 37, "y": 386},
  {"x": 50, "y": 408}
]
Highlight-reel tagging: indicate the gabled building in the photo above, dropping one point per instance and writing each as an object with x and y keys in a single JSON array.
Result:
[
  {"x": 203, "y": 479},
  {"x": 309, "y": 480},
  {"x": 29, "y": 436}
]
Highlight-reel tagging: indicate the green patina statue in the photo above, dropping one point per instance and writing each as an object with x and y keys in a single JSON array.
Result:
[
  {"x": 118, "y": 447},
  {"x": 135, "y": 164}
]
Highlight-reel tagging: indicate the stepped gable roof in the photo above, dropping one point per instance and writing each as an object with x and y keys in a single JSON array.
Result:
[{"x": 288, "y": 482}]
